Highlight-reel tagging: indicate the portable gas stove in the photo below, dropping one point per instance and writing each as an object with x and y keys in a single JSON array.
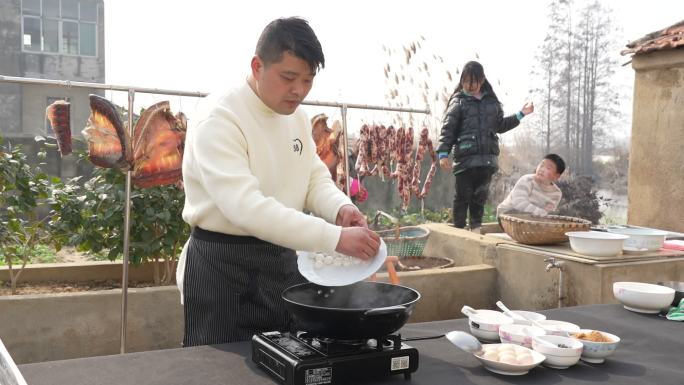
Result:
[{"x": 297, "y": 359}]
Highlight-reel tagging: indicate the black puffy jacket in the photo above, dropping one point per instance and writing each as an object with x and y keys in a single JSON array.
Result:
[{"x": 470, "y": 129}]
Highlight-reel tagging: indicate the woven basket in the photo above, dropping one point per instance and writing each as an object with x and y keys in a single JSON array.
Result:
[
  {"x": 541, "y": 230},
  {"x": 411, "y": 241}
]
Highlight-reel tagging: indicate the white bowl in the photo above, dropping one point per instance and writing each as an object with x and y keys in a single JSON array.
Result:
[
  {"x": 331, "y": 275},
  {"x": 558, "y": 357},
  {"x": 558, "y": 328},
  {"x": 515, "y": 334},
  {"x": 596, "y": 352},
  {"x": 643, "y": 297},
  {"x": 649, "y": 239},
  {"x": 485, "y": 324},
  {"x": 529, "y": 315},
  {"x": 596, "y": 243},
  {"x": 511, "y": 369}
]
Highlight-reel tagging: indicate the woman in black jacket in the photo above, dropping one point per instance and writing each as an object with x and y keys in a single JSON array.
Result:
[{"x": 474, "y": 117}]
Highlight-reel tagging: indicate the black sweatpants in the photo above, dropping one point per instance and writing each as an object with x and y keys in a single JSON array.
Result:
[
  {"x": 232, "y": 287},
  {"x": 472, "y": 190}
]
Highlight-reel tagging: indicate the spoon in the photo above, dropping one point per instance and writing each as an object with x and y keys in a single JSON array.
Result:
[
  {"x": 509, "y": 313},
  {"x": 468, "y": 311},
  {"x": 531, "y": 321},
  {"x": 465, "y": 342}
]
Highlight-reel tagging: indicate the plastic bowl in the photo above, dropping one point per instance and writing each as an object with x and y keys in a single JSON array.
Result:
[
  {"x": 559, "y": 357},
  {"x": 596, "y": 243},
  {"x": 649, "y": 239},
  {"x": 596, "y": 352},
  {"x": 643, "y": 297},
  {"x": 515, "y": 334}
]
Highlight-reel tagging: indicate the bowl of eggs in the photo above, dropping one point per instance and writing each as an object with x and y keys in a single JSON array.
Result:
[{"x": 509, "y": 359}]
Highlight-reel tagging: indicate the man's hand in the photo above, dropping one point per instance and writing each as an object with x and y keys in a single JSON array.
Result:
[
  {"x": 445, "y": 164},
  {"x": 528, "y": 108},
  {"x": 359, "y": 242},
  {"x": 349, "y": 215}
]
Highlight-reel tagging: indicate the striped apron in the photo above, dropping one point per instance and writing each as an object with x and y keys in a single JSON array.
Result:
[{"x": 232, "y": 287}]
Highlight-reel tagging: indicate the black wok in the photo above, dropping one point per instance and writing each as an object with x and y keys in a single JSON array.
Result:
[{"x": 359, "y": 311}]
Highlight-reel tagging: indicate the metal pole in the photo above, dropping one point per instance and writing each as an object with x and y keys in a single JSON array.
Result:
[
  {"x": 347, "y": 187},
  {"x": 162, "y": 91},
  {"x": 127, "y": 230}
]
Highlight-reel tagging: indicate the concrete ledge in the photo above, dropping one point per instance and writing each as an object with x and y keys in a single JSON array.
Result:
[
  {"x": 79, "y": 272},
  {"x": 48, "y": 327},
  {"x": 445, "y": 291}
]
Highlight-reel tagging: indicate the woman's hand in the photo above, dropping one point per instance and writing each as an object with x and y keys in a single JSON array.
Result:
[
  {"x": 445, "y": 164},
  {"x": 528, "y": 108}
]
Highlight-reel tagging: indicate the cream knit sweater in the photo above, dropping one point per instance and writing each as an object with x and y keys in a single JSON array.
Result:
[
  {"x": 250, "y": 171},
  {"x": 530, "y": 197}
]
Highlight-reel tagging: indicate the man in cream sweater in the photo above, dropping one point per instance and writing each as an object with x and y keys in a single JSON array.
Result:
[{"x": 250, "y": 171}]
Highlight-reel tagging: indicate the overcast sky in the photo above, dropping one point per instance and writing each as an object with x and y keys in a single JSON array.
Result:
[{"x": 204, "y": 45}]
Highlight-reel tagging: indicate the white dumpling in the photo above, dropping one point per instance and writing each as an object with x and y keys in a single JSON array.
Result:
[
  {"x": 491, "y": 355},
  {"x": 524, "y": 359},
  {"x": 508, "y": 359},
  {"x": 520, "y": 350},
  {"x": 506, "y": 348}
]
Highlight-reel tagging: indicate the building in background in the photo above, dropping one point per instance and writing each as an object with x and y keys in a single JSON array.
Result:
[{"x": 48, "y": 39}]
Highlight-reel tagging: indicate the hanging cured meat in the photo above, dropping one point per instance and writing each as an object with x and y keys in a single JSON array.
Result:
[
  {"x": 327, "y": 143},
  {"x": 158, "y": 143},
  {"x": 156, "y": 153},
  {"x": 380, "y": 149},
  {"x": 108, "y": 141},
  {"x": 59, "y": 115}
]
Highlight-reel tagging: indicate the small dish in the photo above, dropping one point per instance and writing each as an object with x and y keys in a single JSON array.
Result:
[
  {"x": 508, "y": 369},
  {"x": 485, "y": 324},
  {"x": 565, "y": 354},
  {"x": 596, "y": 352},
  {"x": 515, "y": 334}
]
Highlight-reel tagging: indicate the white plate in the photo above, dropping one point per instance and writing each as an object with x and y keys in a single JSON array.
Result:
[
  {"x": 330, "y": 275},
  {"x": 509, "y": 369}
]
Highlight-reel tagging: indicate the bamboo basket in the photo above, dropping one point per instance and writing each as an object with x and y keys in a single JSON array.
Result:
[
  {"x": 411, "y": 241},
  {"x": 541, "y": 230}
]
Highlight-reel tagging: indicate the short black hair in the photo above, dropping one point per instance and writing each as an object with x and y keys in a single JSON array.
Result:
[
  {"x": 294, "y": 35},
  {"x": 560, "y": 163}
]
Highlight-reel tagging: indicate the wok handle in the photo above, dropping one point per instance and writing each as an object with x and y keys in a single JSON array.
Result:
[{"x": 381, "y": 311}]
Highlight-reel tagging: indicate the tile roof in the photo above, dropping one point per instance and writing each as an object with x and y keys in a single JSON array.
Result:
[{"x": 669, "y": 38}]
